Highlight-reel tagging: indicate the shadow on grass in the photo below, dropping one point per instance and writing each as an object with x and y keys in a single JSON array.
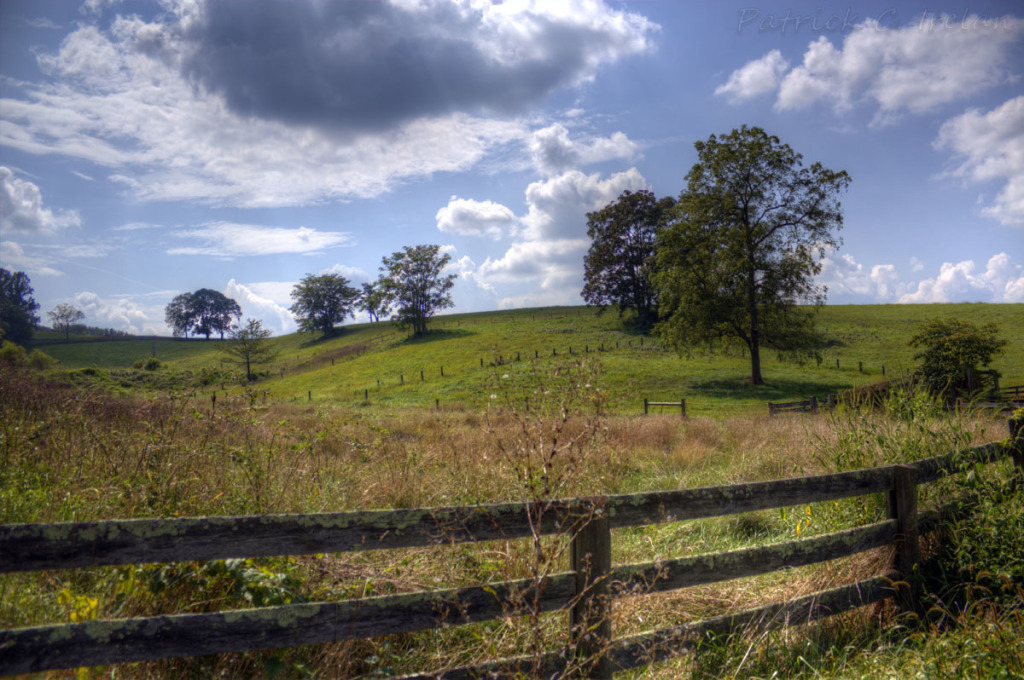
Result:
[
  {"x": 438, "y": 335},
  {"x": 781, "y": 389}
]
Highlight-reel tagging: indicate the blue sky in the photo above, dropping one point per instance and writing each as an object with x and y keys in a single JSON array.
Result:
[{"x": 153, "y": 148}]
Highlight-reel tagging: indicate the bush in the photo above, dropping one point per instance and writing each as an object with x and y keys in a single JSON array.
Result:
[
  {"x": 13, "y": 354},
  {"x": 40, "y": 360}
]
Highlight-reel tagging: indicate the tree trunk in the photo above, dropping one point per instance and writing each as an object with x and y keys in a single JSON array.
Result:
[{"x": 755, "y": 364}]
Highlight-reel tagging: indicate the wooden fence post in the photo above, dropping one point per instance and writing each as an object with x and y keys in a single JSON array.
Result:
[
  {"x": 1016, "y": 426},
  {"x": 901, "y": 505},
  {"x": 682, "y": 407},
  {"x": 814, "y": 404},
  {"x": 645, "y": 405},
  {"x": 591, "y": 557}
]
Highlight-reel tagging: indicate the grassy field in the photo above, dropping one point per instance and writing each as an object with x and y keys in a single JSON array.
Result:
[
  {"x": 376, "y": 366},
  {"x": 99, "y": 440}
]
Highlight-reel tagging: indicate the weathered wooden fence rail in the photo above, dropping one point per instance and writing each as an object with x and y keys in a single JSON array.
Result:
[
  {"x": 805, "y": 406},
  {"x": 681, "y": 405},
  {"x": 588, "y": 589}
]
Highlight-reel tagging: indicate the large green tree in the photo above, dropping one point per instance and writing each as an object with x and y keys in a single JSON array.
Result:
[
  {"x": 17, "y": 307},
  {"x": 203, "y": 312},
  {"x": 953, "y": 354},
  {"x": 745, "y": 244},
  {"x": 322, "y": 302},
  {"x": 617, "y": 269},
  {"x": 414, "y": 282}
]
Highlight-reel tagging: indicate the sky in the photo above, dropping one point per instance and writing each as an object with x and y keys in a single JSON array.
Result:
[{"x": 153, "y": 148}]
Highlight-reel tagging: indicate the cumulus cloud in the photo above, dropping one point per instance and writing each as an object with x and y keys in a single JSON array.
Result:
[
  {"x": 845, "y": 276},
  {"x": 914, "y": 68},
  {"x": 554, "y": 152},
  {"x": 227, "y": 239},
  {"x": 991, "y": 144},
  {"x": 255, "y": 303},
  {"x": 558, "y": 206},
  {"x": 1001, "y": 281},
  {"x": 21, "y": 208},
  {"x": 755, "y": 78},
  {"x": 350, "y": 273},
  {"x": 14, "y": 257},
  {"x": 375, "y": 65},
  {"x": 468, "y": 217},
  {"x": 122, "y": 313}
]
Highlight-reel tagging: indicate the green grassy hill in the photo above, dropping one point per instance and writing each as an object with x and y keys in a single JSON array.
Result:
[{"x": 492, "y": 355}]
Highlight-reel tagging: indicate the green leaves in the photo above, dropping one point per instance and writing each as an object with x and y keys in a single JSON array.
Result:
[
  {"x": 413, "y": 281},
  {"x": 953, "y": 353},
  {"x": 323, "y": 301}
]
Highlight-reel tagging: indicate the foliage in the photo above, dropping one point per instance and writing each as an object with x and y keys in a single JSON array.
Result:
[
  {"x": 617, "y": 268},
  {"x": 147, "y": 364},
  {"x": 323, "y": 301},
  {"x": 12, "y": 354},
  {"x": 952, "y": 352},
  {"x": 204, "y": 312},
  {"x": 17, "y": 307},
  {"x": 40, "y": 360},
  {"x": 249, "y": 345},
  {"x": 413, "y": 280},
  {"x": 374, "y": 302},
  {"x": 739, "y": 255},
  {"x": 64, "y": 316}
]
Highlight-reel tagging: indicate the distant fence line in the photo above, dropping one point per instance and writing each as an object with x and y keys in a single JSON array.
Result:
[{"x": 587, "y": 590}]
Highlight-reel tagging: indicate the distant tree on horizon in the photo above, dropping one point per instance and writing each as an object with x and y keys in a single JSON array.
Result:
[
  {"x": 412, "y": 280},
  {"x": 64, "y": 316},
  {"x": 323, "y": 301},
  {"x": 204, "y": 311},
  {"x": 17, "y": 307}
]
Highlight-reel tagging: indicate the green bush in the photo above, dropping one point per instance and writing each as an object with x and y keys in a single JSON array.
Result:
[
  {"x": 40, "y": 360},
  {"x": 13, "y": 354}
]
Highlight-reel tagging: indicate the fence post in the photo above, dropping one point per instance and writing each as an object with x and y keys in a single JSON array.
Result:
[
  {"x": 682, "y": 407},
  {"x": 591, "y": 556},
  {"x": 901, "y": 505},
  {"x": 645, "y": 405},
  {"x": 814, "y": 404},
  {"x": 1016, "y": 426}
]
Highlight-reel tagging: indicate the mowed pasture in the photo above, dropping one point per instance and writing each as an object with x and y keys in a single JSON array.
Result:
[{"x": 489, "y": 356}]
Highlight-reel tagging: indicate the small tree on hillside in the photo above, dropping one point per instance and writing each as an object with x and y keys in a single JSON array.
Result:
[
  {"x": 373, "y": 301},
  {"x": 412, "y": 280},
  {"x": 954, "y": 353},
  {"x": 64, "y": 316},
  {"x": 248, "y": 345},
  {"x": 617, "y": 269},
  {"x": 323, "y": 301}
]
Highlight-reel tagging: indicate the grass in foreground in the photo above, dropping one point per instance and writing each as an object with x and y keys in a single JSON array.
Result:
[{"x": 176, "y": 456}]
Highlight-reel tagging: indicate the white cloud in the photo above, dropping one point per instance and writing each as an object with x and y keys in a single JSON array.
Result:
[
  {"x": 469, "y": 217},
  {"x": 916, "y": 265},
  {"x": 350, "y": 273},
  {"x": 755, "y": 78},
  {"x": 914, "y": 68},
  {"x": 21, "y": 208},
  {"x": 992, "y": 146},
  {"x": 226, "y": 239},
  {"x": 1002, "y": 281},
  {"x": 558, "y": 206},
  {"x": 122, "y": 313},
  {"x": 14, "y": 257},
  {"x": 845, "y": 276},
  {"x": 274, "y": 316},
  {"x": 554, "y": 152}
]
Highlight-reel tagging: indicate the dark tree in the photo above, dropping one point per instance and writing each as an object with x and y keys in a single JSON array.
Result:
[
  {"x": 203, "y": 312},
  {"x": 323, "y": 301},
  {"x": 412, "y": 280},
  {"x": 953, "y": 354},
  {"x": 64, "y": 316},
  {"x": 249, "y": 344},
  {"x": 744, "y": 245},
  {"x": 617, "y": 268},
  {"x": 373, "y": 301},
  {"x": 17, "y": 307}
]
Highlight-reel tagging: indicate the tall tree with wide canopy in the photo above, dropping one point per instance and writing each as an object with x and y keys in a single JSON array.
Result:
[
  {"x": 323, "y": 301},
  {"x": 745, "y": 243},
  {"x": 413, "y": 280},
  {"x": 204, "y": 311},
  {"x": 617, "y": 268},
  {"x": 64, "y": 316},
  {"x": 17, "y": 307}
]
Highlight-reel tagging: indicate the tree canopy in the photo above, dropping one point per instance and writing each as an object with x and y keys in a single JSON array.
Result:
[
  {"x": 204, "y": 312},
  {"x": 249, "y": 345},
  {"x": 953, "y": 354},
  {"x": 373, "y": 301},
  {"x": 64, "y": 316},
  {"x": 744, "y": 245},
  {"x": 17, "y": 307},
  {"x": 618, "y": 267},
  {"x": 412, "y": 280},
  {"x": 323, "y": 301}
]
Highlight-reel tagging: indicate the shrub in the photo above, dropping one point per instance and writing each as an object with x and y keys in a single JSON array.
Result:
[
  {"x": 40, "y": 360},
  {"x": 13, "y": 354}
]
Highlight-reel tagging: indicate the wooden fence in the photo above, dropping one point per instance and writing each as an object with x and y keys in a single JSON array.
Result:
[
  {"x": 805, "y": 406},
  {"x": 588, "y": 589},
  {"x": 681, "y": 404}
]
